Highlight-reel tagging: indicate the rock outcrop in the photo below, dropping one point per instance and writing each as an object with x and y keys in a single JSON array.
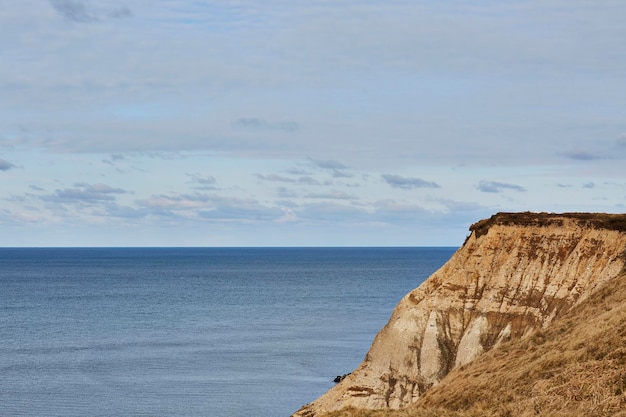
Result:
[{"x": 514, "y": 274}]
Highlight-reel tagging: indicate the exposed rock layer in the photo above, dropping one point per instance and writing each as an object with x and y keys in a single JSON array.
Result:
[{"x": 515, "y": 273}]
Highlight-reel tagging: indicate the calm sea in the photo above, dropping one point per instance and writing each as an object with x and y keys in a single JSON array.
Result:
[{"x": 191, "y": 332}]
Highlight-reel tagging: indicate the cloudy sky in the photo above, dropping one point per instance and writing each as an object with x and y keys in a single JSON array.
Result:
[{"x": 307, "y": 123}]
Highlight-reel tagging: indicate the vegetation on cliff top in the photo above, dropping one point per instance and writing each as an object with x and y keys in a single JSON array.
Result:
[
  {"x": 592, "y": 220},
  {"x": 575, "y": 367}
]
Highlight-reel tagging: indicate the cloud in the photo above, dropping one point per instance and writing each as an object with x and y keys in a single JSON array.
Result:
[
  {"x": 337, "y": 169},
  {"x": 581, "y": 155},
  {"x": 79, "y": 12},
  {"x": 125, "y": 212},
  {"x": 498, "y": 187},
  {"x": 253, "y": 123},
  {"x": 400, "y": 214},
  {"x": 85, "y": 193},
  {"x": 379, "y": 214},
  {"x": 236, "y": 212},
  {"x": 298, "y": 171},
  {"x": 333, "y": 212},
  {"x": 331, "y": 165},
  {"x": 73, "y": 10},
  {"x": 334, "y": 195},
  {"x": 8, "y": 217},
  {"x": 408, "y": 183},
  {"x": 203, "y": 182},
  {"x": 92, "y": 200},
  {"x": 175, "y": 202},
  {"x": 5, "y": 165},
  {"x": 284, "y": 192},
  {"x": 305, "y": 180},
  {"x": 120, "y": 12},
  {"x": 274, "y": 177},
  {"x": 589, "y": 185},
  {"x": 308, "y": 180},
  {"x": 210, "y": 206}
]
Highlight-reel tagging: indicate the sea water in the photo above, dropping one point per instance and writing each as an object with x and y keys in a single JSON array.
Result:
[{"x": 227, "y": 332}]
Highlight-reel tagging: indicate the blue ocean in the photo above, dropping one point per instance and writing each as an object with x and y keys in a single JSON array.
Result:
[{"x": 228, "y": 332}]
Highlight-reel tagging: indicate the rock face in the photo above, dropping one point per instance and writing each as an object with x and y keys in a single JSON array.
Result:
[{"x": 515, "y": 273}]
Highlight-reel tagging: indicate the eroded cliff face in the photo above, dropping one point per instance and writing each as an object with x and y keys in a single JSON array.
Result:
[{"x": 515, "y": 273}]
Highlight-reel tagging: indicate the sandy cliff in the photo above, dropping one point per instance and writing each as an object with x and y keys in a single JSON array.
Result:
[{"x": 515, "y": 273}]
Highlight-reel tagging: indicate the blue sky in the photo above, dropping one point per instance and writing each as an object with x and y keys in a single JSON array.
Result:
[{"x": 318, "y": 123}]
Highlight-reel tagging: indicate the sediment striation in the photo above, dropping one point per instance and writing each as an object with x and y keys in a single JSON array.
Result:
[{"x": 515, "y": 274}]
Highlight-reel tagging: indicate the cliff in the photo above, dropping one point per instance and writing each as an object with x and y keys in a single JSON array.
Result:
[{"x": 515, "y": 274}]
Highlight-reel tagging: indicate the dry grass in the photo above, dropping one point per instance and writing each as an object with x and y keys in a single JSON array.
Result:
[
  {"x": 413, "y": 412},
  {"x": 592, "y": 220},
  {"x": 576, "y": 367}
]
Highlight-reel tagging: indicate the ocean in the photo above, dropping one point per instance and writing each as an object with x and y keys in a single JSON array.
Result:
[{"x": 219, "y": 332}]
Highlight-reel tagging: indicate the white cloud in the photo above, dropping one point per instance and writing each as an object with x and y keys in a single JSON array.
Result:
[
  {"x": 408, "y": 183},
  {"x": 274, "y": 178},
  {"x": 498, "y": 187},
  {"x": 308, "y": 180},
  {"x": 333, "y": 195},
  {"x": 582, "y": 155},
  {"x": 337, "y": 169},
  {"x": 5, "y": 165},
  {"x": 84, "y": 193},
  {"x": 201, "y": 182}
]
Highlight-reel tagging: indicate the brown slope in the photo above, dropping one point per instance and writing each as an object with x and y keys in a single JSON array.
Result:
[{"x": 575, "y": 367}]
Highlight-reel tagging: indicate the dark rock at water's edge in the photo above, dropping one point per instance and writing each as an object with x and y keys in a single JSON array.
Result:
[{"x": 340, "y": 378}]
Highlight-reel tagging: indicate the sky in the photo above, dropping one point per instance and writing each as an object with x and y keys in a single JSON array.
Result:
[{"x": 304, "y": 123}]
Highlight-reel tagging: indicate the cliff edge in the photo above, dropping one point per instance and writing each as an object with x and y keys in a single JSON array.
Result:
[{"x": 515, "y": 274}]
